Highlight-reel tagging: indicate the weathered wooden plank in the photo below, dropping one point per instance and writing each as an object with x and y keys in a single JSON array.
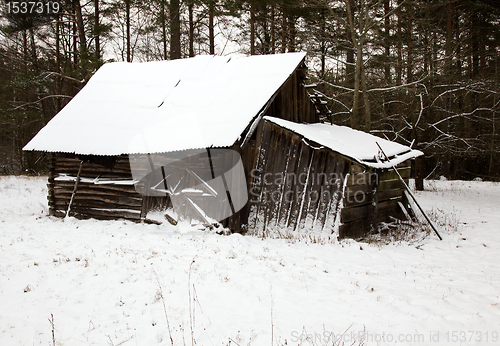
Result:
[
  {"x": 390, "y": 185},
  {"x": 261, "y": 213},
  {"x": 351, "y": 192},
  {"x": 93, "y": 176},
  {"x": 87, "y": 203},
  {"x": 289, "y": 180},
  {"x": 272, "y": 188},
  {"x": 293, "y": 98},
  {"x": 61, "y": 193},
  {"x": 106, "y": 214},
  {"x": 92, "y": 169},
  {"x": 331, "y": 193},
  {"x": 303, "y": 187},
  {"x": 356, "y": 168},
  {"x": 127, "y": 201},
  {"x": 391, "y": 174},
  {"x": 97, "y": 187},
  {"x": 98, "y": 192},
  {"x": 97, "y": 215},
  {"x": 366, "y": 178},
  {"x": 66, "y": 163},
  {"x": 361, "y": 198},
  {"x": 273, "y": 166},
  {"x": 317, "y": 182},
  {"x": 371, "y": 177},
  {"x": 341, "y": 168},
  {"x": 256, "y": 183},
  {"x": 112, "y": 201},
  {"x": 320, "y": 193},
  {"x": 278, "y": 193},
  {"x": 260, "y": 187},
  {"x": 70, "y": 162},
  {"x": 358, "y": 212},
  {"x": 389, "y": 194},
  {"x": 358, "y": 199}
]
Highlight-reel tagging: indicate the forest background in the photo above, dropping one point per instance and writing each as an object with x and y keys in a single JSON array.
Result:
[{"x": 421, "y": 72}]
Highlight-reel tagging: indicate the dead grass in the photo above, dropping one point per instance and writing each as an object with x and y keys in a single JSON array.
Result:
[
  {"x": 399, "y": 232},
  {"x": 294, "y": 236}
]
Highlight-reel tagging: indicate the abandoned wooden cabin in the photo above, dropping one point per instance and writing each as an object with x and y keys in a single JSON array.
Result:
[{"x": 161, "y": 134}]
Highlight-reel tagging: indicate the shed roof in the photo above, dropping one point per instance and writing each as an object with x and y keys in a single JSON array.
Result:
[
  {"x": 357, "y": 145},
  {"x": 137, "y": 108}
]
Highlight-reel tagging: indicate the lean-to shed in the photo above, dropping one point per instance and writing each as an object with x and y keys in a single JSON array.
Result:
[
  {"x": 198, "y": 134},
  {"x": 325, "y": 178}
]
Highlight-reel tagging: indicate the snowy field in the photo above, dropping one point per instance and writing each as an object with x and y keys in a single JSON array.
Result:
[{"x": 118, "y": 283}]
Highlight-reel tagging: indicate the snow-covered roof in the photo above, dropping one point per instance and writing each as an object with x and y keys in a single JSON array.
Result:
[
  {"x": 137, "y": 108},
  {"x": 357, "y": 145}
]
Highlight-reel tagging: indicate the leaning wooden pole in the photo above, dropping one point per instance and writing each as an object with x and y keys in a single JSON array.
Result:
[
  {"x": 411, "y": 194},
  {"x": 74, "y": 189}
]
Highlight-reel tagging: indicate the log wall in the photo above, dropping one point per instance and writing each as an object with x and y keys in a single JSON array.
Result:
[{"x": 99, "y": 201}]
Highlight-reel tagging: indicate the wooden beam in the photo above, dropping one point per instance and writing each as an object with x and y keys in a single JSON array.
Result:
[{"x": 74, "y": 190}]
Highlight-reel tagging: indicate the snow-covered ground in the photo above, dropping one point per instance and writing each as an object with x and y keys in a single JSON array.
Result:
[{"x": 120, "y": 283}]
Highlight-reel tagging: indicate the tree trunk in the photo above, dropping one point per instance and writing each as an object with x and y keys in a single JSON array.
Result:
[
  {"x": 191, "y": 28},
  {"x": 252, "y": 28},
  {"x": 84, "y": 57},
  {"x": 211, "y": 32},
  {"x": 387, "y": 45},
  {"x": 475, "y": 44},
  {"x": 356, "y": 122},
  {"x": 350, "y": 66},
  {"x": 25, "y": 51},
  {"x": 449, "y": 36},
  {"x": 127, "y": 24},
  {"x": 434, "y": 53},
  {"x": 36, "y": 70},
  {"x": 353, "y": 67},
  {"x": 292, "y": 33},
  {"x": 427, "y": 51},
  {"x": 482, "y": 42},
  {"x": 419, "y": 174},
  {"x": 33, "y": 53},
  {"x": 456, "y": 31},
  {"x": 284, "y": 27},
  {"x": 163, "y": 19},
  {"x": 97, "y": 33},
  {"x": 409, "y": 59},
  {"x": 367, "y": 111},
  {"x": 470, "y": 48},
  {"x": 273, "y": 31},
  {"x": 323, "y": 42},
  {"x": 399, "y": 64},
  {"x": 58, "y": 65},
  {"x": 175, "y": 30},
  {"x": 266, "y": 45},
  {"x": 75, "y": 46}
]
